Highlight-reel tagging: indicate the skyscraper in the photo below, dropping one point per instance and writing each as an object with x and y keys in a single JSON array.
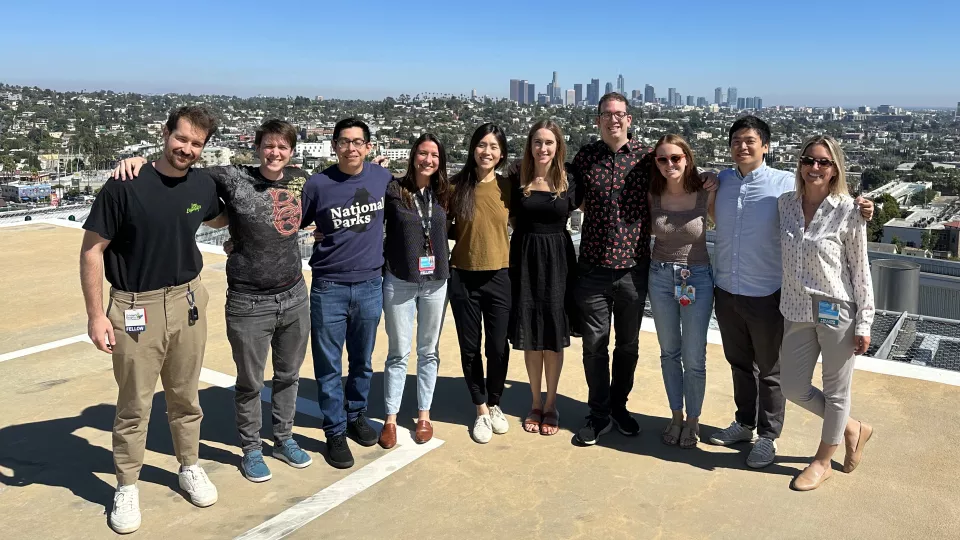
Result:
[
  {"x": 578, "y": 91},
  {"x": 670, "y": 93},
  {"x": 732, "y": 97},
  {"x": 758, "y": 103},
  {"x": 718, "y": 95},
  {"x": 549, "y": 92},
  {"x": 523, "y": 92},
  {"x": 741, "y": 103},
  {"x": 690, "y": 101},
  {"x": 593, "y": 92},
  {"x": 571, "y": 98},
  {"x": 531, "y": 93},
  {"x": 956, "y": 115},
  {"x": 649, "y": 95},
  {"x": 751, "y": 103},
  {"x": 515, "y": 90},
  {"x": 556, "y": 89},
  {"x": 701, "y": 102},
  {"x": 608, "y": 88},
  {"x": 621, "y": 86}
]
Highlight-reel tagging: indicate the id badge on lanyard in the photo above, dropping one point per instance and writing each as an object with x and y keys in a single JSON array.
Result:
[
  {"x": 134, "y": 320},
  {"x": 828, "y": 313},
  {"x": 683, "y": 293},
  {"x": 428, "y": 263}
]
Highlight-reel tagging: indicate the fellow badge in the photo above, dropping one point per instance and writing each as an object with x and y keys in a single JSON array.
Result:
[
  {"x": 135, "y": 320},
  {"x": 828, "y": 313}
]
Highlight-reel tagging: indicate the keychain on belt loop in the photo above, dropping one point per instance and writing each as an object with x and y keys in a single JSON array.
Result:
[{"x": 193, "y": 314}]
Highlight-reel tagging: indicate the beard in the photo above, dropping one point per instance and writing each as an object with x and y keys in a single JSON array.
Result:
[{"x": 177, "y": 160}]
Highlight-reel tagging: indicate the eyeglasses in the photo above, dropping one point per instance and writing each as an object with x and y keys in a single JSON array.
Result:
[
  {"x": 619, "y": 115},
  {"x": 676, "y": 159},
  {"x": 344, "y": 143},
  {"x": 823, "y": 162}
]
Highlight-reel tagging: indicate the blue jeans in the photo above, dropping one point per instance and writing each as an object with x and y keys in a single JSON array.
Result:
[
  {"x": 682, "y": 332},
  {"x": 403, "y": 302},
  {"x": 343, "y": 314}
]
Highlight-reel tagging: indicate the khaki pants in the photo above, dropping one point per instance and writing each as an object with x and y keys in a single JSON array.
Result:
[{"x": 171, "y": 349}]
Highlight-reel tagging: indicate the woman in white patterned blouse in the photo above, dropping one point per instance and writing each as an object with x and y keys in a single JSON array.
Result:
[{"x": 827, "y": 302}]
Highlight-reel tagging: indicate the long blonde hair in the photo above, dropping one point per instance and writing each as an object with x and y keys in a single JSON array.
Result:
[
  {"x": 838, "y": 184},
  {"x": 557, "y": 173}
]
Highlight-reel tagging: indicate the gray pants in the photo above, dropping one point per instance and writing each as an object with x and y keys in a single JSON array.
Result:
[
  {"x": 802, "y": 343},
  {"x": 255, "y": 323}
]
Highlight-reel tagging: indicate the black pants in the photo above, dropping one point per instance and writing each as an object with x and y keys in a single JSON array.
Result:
[
  {"x": 752, "y": 332},
  {"x": 602, "y": 292},
  {"x": 475, "y": 297}
]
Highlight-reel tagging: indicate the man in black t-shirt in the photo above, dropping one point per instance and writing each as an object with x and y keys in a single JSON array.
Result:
[
  {"x": 142, "y": 236},
  {"x": 267, "y": 301}
]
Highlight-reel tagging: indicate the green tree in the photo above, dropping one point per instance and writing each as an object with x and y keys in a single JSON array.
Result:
[
  {"x": 899, "y": 243},
  {"x": 887, "y": 208},
  {"x": 873, "y": 178},
  {"x": 926, "y": 240},
  {"x": 924, "y": 166}
]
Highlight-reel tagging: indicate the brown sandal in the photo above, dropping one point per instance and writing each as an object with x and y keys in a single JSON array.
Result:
[
  {"x": 531, "y": 424},
  {"x": 689, "y": 437},
  {"x": 551, "y": 419},
  {"x": 671, "y": 434}
]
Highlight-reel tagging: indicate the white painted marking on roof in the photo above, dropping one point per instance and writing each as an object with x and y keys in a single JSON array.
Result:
[
  {"x": 339, "y": 492},
  {"x": 44, "y": 347}
]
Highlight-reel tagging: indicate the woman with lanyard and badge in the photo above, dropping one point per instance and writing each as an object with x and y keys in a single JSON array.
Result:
[
  {"x": 415, "y": 282},
  {"x": 827, "y": 302},
  {"x": 680, "y": 285}
]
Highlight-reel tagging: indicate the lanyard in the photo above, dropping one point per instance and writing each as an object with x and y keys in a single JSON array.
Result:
[{"x": 425, "y": 222}]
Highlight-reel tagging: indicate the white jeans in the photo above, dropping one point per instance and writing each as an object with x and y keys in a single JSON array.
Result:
[{"x": 803, "y": 343}]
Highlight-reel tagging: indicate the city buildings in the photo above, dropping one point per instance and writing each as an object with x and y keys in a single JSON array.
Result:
[
  {"x": 621, "y": 86},
  {"x": 578, "y": 93},
  {"x": 593, "y": 92},
  {"x": 718, "y": 95},
  {"x": 571, "y": 99},
  {"x": 649, "y": 95},
  {"x": 608, "y": 88},
  {"x": 732, "y": 98}
]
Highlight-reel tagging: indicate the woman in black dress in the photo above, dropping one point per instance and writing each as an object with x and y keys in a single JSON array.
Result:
[{"x": 542, "y": 265}]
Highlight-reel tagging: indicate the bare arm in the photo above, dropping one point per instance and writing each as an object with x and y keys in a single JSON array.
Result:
[
  {"x": 711, "y": 205},
  {"x": 99, "y": 327},
  {"x": 219, "y": 222},
  {"x": 855, "y": 250}
]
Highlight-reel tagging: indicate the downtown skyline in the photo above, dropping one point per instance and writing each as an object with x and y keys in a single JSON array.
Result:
[{"x": 874, "y": 53}]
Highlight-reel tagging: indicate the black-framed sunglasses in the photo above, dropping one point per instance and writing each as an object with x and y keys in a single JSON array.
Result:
[{"x": 823, "y": 162}]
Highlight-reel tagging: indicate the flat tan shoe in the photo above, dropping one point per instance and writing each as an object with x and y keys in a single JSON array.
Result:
[
  {"x": 852, "y": 459},
  {"x": 809, "y": 480}
]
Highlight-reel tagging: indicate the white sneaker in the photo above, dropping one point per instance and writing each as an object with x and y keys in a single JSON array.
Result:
[
  {"x": 763, "y": 453},
  {"x": 498, "y": 420},
  {"x": 482, "y": 429},
  {"x": 125, "y": 515},
  {"x": 195, "y": 482},
  {"x": 737, "y": 432}
]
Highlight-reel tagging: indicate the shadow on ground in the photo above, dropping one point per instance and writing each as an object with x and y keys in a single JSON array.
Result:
[{"x": 51, "y": 453}]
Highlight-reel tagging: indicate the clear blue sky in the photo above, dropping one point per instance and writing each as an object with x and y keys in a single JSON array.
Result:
[{"x": 803, "y": 53}]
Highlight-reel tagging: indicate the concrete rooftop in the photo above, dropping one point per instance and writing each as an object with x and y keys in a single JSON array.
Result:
[{"x": 56, "y": 473}]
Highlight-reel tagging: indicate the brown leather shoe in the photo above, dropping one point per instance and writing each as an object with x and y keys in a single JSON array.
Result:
[
  {"x": 809, "y": 480},
  {"x": 424, "y": 431},
  {"x": 852, "y": 459},
  {"x": 388, "y": 437}
]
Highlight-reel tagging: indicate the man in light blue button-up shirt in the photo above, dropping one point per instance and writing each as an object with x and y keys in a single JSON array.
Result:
[{"x": 748, "y": 275}]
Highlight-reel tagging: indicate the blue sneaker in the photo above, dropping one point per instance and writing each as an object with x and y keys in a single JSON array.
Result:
[
  {"x": 289, "y": 452},
  {"x": 253, "y": 467}
]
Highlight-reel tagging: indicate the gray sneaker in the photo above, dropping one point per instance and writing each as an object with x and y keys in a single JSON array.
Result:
[
  {"x": 737, "y": 432},
  {"x": 763, "y": 453}
]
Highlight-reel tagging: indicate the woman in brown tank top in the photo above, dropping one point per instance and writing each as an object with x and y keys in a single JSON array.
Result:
[{"x": 680, "y": 285}]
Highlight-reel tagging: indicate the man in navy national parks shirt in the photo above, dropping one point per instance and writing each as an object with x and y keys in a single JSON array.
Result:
[{"x": 346, "y": 298}]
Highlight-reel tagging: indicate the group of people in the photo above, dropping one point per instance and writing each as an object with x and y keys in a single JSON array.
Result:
[{"x": 381, "y": 247}]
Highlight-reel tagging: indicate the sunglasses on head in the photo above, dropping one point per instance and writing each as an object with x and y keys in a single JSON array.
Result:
[
  {"x": 676, "y": 159},
  {"x": 823, "y": 162}
]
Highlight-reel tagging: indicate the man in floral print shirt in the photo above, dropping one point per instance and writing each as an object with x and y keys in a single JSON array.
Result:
[{"x": 613, "y": 175}]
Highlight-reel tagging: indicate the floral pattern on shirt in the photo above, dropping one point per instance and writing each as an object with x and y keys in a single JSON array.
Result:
[{"x": 616, "y": 227}]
